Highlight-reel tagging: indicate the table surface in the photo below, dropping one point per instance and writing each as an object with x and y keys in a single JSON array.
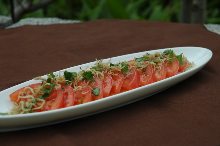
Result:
[{"x": 186, "y": 114}]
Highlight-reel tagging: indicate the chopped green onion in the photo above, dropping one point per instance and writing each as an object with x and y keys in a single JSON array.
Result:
[
  {"x": 50, "y": 78},
  {"x": 69, "y": 76},
  {"x": 171, "y": 55},
  {"x": 51, "y": 75},
  {"x": 124, "y": 67},
  {"x": 47, "y": 90},
  {"x": 139, "y": 59},
  {"x": 168, "y": 52},
  {"x": 87, "y": 75},
  {"x": 180, "y": 58},
  {"x": 96, "y": 91}
]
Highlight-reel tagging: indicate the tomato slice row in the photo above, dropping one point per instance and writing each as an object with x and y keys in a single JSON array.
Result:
[{"x": 108, "y": 85}]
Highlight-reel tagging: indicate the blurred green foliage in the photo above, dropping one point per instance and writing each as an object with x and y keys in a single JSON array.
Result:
[
  {"x": 161, "y": 10},
  {"x": 213, "y": 12},
  {"x": 121, "y": 9},
  {"x": 4, "y": 7}
]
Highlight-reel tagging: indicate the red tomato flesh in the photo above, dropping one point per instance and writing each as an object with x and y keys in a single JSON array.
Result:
[
  {"x": 52, "y": 95},
  {"x": 184, "y": 66},
  {"x": 97, "y": 84},
  {"x": 107, "y": 85},
  {"x": 146, "y": 77},
  {"x": 55, "y": 103},
  {"x": 82, "y": 95},
  {"x": 159, "y": 73},
  {"x": 14, "y": 95},
  {"x": 131, "y": 81},
  {"x": 117, "y": 81},
  {"x": 172, "y": 68},
  {"x": 47, "y": 105},
  {"x": 68, "y": 96},
  {"x": 58, "y": 102}
]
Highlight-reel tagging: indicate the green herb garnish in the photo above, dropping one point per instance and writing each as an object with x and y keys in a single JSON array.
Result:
[
  {"x": 170, "y": 54},
  {"x": 69, "y": 76},
  {"x": 180, "y": 58},
  {"x": 48, "y": 86},
  {"x": 96, "y": 91},
  {"x": 50, "y": 78},
  {"x": 51, "y": 75},
  {"x": 47, "y": 89},
  {"x": 87, "y": 75},
  {"x": 124, "y": 67},
  {"x": 140, "y": 59}
]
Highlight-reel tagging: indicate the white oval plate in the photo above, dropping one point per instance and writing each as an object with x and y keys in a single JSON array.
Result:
[{"x": 199, "y": 56}]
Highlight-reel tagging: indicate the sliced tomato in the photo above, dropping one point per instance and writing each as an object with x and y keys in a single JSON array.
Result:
[
  {"x": 172, "y": 68},
  {"x": 118, "y": 80},
  {"x": 83, "y": 94},
  {"x": 146, "y": 77},
  {"x": 58, "y": 102},
  {"x": 14, "y": 95},
  {"x": 68, "y": 96},
  {"x": 55, "y": 102},
  {"x": 131, "y": 81},
  {"x": 107, "y": 85},
  {"x": 97, "y": 84},
  {"x": 47, "y": 105},
  {"x": 159, "y": 72},
  {"x": 184, "y": 65},
  {"x": 52, "y": 95},
  {"x": 87, "y": 94}
]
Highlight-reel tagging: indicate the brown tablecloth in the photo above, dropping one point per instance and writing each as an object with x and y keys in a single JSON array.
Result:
[{"x": 186, "y": 114}]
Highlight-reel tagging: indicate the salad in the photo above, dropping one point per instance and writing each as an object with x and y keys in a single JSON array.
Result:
[{"x": 96, "y": 82}]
